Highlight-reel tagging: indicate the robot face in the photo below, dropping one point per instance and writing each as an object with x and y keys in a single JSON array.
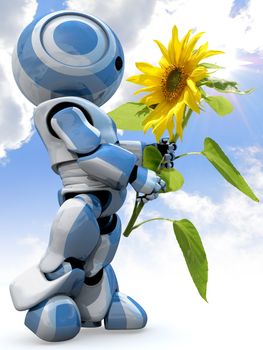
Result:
[{"x": 68, "y": 54}]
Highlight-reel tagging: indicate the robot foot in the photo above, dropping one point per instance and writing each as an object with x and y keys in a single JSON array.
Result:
[
  {"x": 55, "y": 319},
  {"x": 125, "y": 313}
]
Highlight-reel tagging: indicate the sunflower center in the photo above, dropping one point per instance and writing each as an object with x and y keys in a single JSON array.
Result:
[{"x": 173, "y": 82}]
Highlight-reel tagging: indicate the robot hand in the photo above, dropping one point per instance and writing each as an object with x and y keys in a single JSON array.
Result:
[
  {"x": 147, "y": 183},
  {"x": 168, "y": 152}
]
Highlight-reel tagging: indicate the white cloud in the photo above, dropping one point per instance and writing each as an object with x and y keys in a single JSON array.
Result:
[
  {"x": 125, "y": 17},
  {"x": 14, "y": 16},
  {"x": 15, "y": 110},
  {"x": 151, "y": 269}
]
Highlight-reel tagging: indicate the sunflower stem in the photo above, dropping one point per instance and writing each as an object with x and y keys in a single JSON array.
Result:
[
  {"x": 135, "y": 213},
  {"x": 138, "y": 207},
  {"x": 137, "y": 210}
]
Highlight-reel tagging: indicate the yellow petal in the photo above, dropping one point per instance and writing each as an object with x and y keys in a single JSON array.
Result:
[
  {"x": 170, "y": 127},
  {"x": 195, "y": 57},
  {"x": 186, "y": 38},
  {"x": 149, "y": 69},
  {"x": 179, "y": 119},
  {"x": 199, "y": 73},
  {"x": 160, "y": 127},
  {"x": 144, "y": 79},
  {"x": 211, "y": 53},
  {"x": 146, "y": 89},
  {"x": 192, "y": 86},
  {"x": 176, "y": 44},
  {"x": 152, "y": 99},
  {"x": 183, "y": 46},
  {"x": 155, "y": 114},
  {"x": 171, "y": 52},
  {"x": 190, "y": 100},
  {"x": 190, "y": 47},
  {"x": 202, "y": 53},
  {"x": 155, "y": 117},
  {"x": 164, "y": 63},
  {"x": 163, "y": 49}
]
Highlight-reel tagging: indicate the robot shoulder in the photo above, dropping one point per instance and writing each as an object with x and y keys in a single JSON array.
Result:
[
  {"x": 92, "y": 114},
  {"x": 73, "y": 127}
]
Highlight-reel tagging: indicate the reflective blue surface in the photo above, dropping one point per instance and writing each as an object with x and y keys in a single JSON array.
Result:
[
  {"x": 75, "y": 38},
  {"x": 70, "y": 123},
  {"x": 88, "y": 69}
]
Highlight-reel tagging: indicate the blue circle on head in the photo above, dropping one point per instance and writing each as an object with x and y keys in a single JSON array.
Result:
[{"x": 75, "y": 38}]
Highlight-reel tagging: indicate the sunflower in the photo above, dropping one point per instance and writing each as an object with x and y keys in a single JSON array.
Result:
[{"x": 173, "y": 86}]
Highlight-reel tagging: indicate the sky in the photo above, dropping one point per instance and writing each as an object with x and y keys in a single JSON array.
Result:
[{"x": 149, "y": 264}]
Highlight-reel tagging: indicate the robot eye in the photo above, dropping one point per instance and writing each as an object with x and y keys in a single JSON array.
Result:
[{"x": 118, "y": 63}]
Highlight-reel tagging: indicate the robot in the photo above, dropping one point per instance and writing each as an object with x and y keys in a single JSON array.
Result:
[{"x": 68, "y": 64}]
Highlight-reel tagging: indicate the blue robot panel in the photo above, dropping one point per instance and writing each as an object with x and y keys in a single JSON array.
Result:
[{"x": 68, "y": 64}]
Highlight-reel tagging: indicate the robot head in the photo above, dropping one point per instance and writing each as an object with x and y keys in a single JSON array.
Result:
[{"x": 68, "y": 54}]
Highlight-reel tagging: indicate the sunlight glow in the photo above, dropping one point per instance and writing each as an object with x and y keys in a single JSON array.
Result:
[{"x": 231, "y": 63}]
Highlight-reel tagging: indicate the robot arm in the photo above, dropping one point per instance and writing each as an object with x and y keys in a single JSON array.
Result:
[
  {"x": 115, "y": 167},
  {"x": 108, "y": 163},
  {"x": 135, "y": 147},
  {"x": 146, "y": 181}
]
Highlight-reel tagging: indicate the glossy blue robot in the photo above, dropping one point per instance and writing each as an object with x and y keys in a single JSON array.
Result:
[{"x": 68, "y": 64}]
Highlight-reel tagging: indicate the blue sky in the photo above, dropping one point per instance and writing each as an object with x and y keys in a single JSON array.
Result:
[{"x": 29, "y": 187}]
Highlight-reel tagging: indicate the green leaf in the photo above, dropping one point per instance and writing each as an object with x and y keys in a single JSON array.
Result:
[
  {"x": 151, "y": 158},
  {"x": 129, "y": 116},
  {"x": 211, "y": 66},
  {"x": 219, "y": 104},
  {"x": 194, "y": 253},
  {"x": 225, "y": 86},
  {"x": 220, "y": 161},
  {"x": 173, "y": 178}
]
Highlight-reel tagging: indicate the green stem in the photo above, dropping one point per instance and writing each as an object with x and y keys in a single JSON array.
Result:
[
  {"x": 144, "y": 222},
  {"x": 135, "y": 213},
  {"x": 138, "y": 207},
  {"x": 187, "y": 154},
  {"x": 159, "y": 166}
]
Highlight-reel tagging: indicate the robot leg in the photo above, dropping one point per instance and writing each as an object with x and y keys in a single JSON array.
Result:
[
  {"x": 100, "y": 282},
  {"x": 46, "y": 289},
  {"x": 124, "y": 313},
  {"x": 100, "y": 297},
  {"x": 74, "y": 233}
]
